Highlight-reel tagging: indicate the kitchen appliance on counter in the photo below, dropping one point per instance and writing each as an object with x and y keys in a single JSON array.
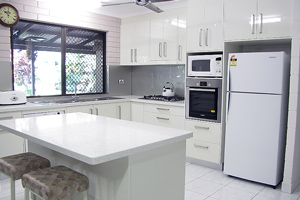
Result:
[
  {"x": 168, "y": 91},
  {"x": 163, "y": 98},
  {"x": 205, "y": 65},
  {"x": 256, "y": 124},
  {"x": 203, "y": 99},
  {"x": 12, "y": 97}
]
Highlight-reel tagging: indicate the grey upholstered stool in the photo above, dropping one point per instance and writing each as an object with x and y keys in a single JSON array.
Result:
[
  {"x": 16, "y": 165},
  {"x": 55, "y": 183}
]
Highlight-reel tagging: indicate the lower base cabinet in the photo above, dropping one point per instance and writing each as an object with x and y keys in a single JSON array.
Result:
[{"x": 114, "y": 110}]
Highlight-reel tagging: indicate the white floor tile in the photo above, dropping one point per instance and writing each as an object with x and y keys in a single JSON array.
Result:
[
  {"x": 190, "y": 195},
  {"x": 277, "y": 194},
  {"x": 193, "y": 172},
  {"x": 259, "y": 197},
  {"x": 217, "y": 176},
  {"x": 247, "y": 185},
  {"x": 203, "y": 187},
  {"x": 229, "y": 193}
]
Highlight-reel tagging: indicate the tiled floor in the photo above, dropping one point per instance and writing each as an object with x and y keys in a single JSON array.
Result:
[{"x": 202, "y": 183}]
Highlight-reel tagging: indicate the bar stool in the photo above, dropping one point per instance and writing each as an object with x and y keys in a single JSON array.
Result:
[
  {"x": 55, "y": 183},
  {"x": 16, "y": 165}
]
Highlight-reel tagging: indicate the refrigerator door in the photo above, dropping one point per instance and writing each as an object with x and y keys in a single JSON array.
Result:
[
  {"x": 257, "y": 72},
  {"x": 252, "y": 140}
]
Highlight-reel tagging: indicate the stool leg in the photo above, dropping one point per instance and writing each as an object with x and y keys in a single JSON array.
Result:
[
  {"x": 85, "y": 193},
  {"x": 12, "y": 189},
  {"x": 26, "y": 194}
]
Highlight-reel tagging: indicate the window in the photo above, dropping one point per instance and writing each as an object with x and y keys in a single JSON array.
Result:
[{"x": 53, "y": 60}]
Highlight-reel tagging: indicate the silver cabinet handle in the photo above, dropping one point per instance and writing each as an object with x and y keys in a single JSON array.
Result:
[
  {"x": 206, "y": 37},
  {"x": 120, "y": 110},
  {"x": 200, "y": 37},
  {"x": 166, "y": 109},
  {"x": 180, "y": 52},
  {"x": 160, "y": 49},
  {"x": 261, "y": 23},
  {"x": 135, "y": 55},
  {"x": 97, "y": 111},
  {"x": 253, "y": 23},
  {"x": 201, "y": 146},
  {"x": 131, "y": 54},
  {"x": 201, "y": 127},
  {"x": 162, "y": 118},
  {"x": 5, "y": 118},
  {"x": 165, "y": 49}
]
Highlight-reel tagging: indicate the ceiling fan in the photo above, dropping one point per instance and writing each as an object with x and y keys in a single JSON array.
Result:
[{"x": 145, "y": 3}]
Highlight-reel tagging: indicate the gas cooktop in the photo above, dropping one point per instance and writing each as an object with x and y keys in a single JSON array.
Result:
[{"x": 163, "y": 98}]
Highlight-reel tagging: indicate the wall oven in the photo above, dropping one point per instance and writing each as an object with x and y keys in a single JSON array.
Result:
[{"x": 203, "y": 99}]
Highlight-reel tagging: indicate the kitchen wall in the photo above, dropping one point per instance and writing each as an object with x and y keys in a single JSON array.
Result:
[
  {"x": 42, "y": 12},
  {"x": 146, "y": 80}
]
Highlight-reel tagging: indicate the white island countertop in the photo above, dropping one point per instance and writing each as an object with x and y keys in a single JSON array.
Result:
[{"x": 93, "y": 139}]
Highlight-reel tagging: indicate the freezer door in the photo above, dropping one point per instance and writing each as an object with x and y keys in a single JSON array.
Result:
[
  {"x": 258, "y": 72},
  {"x": 253, "y": 149}
]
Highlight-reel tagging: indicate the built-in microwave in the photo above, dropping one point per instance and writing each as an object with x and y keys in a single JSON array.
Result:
[{"x": 205, "y": 65}]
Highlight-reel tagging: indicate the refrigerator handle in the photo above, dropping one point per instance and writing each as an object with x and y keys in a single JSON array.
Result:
[{"x": 228, "y": 106}]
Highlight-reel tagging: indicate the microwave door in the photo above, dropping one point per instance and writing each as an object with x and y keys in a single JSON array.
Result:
[{"x": 200, "y": 67}]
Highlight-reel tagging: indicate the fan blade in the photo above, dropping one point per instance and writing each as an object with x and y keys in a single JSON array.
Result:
[
  {"x": 154, "y": 8},
  {"x": 116, "y": 4},
  {"x": 155, "y": 1}
]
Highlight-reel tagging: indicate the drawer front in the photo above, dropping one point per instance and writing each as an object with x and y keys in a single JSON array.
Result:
[
  {"x": 164, "y": 120},
  {"x": 203, "y": 150},
  {"x": 9, "y": 115},
  {"x": 204, "y": 131},
  {"x": 163, "y": 109}
]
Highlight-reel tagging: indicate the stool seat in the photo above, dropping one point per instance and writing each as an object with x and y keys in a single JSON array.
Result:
[
  {"x": 17, "y": 165},
  {"x": 55, "y": 183}
]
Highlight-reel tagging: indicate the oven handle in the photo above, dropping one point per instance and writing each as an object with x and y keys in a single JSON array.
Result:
[{"x": 202, "y": 90}]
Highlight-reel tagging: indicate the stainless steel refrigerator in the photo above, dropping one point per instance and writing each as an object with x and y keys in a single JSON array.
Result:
[{"x": 256, "y": 116}]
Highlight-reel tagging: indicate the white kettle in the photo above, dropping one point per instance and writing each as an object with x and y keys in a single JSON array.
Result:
[{"x": 167, "y": 91}]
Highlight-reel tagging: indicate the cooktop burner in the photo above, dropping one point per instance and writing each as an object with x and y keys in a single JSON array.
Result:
[{"x": 163, "y": 98}]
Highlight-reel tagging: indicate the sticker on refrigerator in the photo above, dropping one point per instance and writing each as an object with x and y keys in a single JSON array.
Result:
[{"x": 233, "y": 61}]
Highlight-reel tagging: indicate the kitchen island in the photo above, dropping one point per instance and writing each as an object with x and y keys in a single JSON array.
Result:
[{"x": 124, "y": 160}]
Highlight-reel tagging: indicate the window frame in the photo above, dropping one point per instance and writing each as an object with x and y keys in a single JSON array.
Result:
[{"x": 63, "y": 58}]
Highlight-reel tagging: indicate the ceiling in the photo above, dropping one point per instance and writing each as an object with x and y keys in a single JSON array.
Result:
[{"x": 129, "y": 10}]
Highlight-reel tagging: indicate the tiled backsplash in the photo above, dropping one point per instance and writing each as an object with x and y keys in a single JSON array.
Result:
[{"x": 145, "y": 80}]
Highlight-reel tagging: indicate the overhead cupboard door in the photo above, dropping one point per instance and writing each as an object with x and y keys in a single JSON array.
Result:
[
  {"x": 258, "y": 72},
  {"x": 252, "y": 137}
]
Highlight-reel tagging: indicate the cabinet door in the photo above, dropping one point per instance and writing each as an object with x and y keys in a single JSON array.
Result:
[
  {"x": 123, "y": 111},
  {"x": 127, "y": 44},
  {"x": 213, "y": 33},
  {"x": 156, "y": 39},
  {"x": 181, "y": 40},
  {"x": 10, "y": 144},
  {"x": 141, "y": 42},
  {"x": 84, "y": 109},
  {"x": 238, "y": 19},
  {"x": 137, "y": 112},
  {"x": 106, "y": 110},
  {"x": 170, "y": 49},
  {"x": 276, "y": 19}
]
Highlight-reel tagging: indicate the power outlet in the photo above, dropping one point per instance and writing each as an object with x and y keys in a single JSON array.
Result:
[{"x": 121, "y": 81}]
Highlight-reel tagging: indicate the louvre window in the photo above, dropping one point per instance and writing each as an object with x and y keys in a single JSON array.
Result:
[{"x": 55, "y": 60}]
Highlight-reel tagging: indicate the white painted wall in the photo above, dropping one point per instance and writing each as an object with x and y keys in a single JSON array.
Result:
[
  {"x": 42, "y": 12},
  {"x": 292, "y": 160}
]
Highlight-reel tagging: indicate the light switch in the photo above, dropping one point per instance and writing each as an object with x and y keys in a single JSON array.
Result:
[{"x": 121, "y": 81}]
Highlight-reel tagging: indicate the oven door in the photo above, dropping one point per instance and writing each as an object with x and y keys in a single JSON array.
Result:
[{"x": 202, "y": 103}]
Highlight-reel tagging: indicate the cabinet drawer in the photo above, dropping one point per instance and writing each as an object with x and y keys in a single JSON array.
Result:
[
  {"x": 9, "y": 115},
  {"x": 164, "y": 120},
  {"x": 204, "y": 131},
  {"x": 163, "y": 109},
  {"x": 203, "y": 150}
]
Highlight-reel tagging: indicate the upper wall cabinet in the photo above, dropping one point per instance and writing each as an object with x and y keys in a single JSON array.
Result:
[
  {"x": 257, "y": 19},
  {"x": 167, "y": 41},
  {"x": 205, "y": 25},
  {"x": 135, "y": 43}
]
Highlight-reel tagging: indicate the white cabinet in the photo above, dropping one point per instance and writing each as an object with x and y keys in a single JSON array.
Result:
[
  {"x": 114, "y": 110},
  {"x": 205, "y": 25},
  {"x": 257, "y": 19},
  {"x": 135, "y": 38},
  {"x": 84, "y": 109},
  {"x": 206, "y": 142},
  {"x": 137, "y": 112},
  {"x": 163, "y": 115},
  {"x": 9, "y": 143},
  {"x": 181, "y": 38}
]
